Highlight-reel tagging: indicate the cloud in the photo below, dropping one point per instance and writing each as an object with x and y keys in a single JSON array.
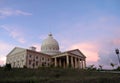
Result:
[
  {"x": 5, "y": 12},
  {"x": 2, "y": 60},
  {"x": 107, "y": 53},
  {"x": 19, "y": 12},
  {"x": 90, "y": 50},
  {"x": 14, "y": 32},
  {"x": 116, "y": 41},
  {"x": 4, "y": 49},
  {"x": 99, "y": 53},
  {"x": 104, "y": 30}
]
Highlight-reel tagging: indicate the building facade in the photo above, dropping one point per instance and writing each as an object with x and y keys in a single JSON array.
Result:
[{"x": 48, "y": 56}]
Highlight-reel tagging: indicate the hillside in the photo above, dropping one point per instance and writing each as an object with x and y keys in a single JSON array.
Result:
[{"x": 56, "y": 75}]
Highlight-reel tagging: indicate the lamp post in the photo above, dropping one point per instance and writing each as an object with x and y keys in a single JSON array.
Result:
[{"x": 117, "y": 53}]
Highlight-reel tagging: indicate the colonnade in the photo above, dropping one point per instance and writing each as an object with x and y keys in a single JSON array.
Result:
[{"x": 69, "y": 61}]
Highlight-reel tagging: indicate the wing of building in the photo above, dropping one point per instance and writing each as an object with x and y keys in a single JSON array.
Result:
[{"x": 48, "y": 56}]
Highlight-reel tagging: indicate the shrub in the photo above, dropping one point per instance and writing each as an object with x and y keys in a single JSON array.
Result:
[
  {"x": 24, "y": 66},
  {"x": 8, "y": 67},
  {"x": 118, "y": 68},
  {"x": 91, "y": 67}
]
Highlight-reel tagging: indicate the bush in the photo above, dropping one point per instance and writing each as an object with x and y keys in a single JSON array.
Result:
[
  {"x": 8, "y": 67},
  {"x": 118, "y": 68},
  {"x": 91, "y": 68},
  {"x": 24, "y": 67}
]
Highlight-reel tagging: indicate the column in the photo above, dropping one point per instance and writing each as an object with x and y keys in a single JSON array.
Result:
[
  {"x": 85, "y": 63},
  {"x": 78, "y": 63},
  {"x": 75, "y": 62},
  {"x": 82, "y": 64},
  {"x": 67, "y": 60},
  {"x": 60, "y": 62},
  {"x": 64, "y": 64},
  {"x": 55, "y": 62},
  {"x": 72, "y": 64}
]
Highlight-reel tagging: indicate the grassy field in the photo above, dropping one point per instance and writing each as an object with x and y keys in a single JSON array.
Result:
[{"x": 56, "y": 75}]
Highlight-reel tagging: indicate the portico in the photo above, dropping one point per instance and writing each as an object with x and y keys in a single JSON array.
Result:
[{"x": 69, "y": 60}]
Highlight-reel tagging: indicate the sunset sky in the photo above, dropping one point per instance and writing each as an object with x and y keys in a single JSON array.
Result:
[{"x": 92, "y": 26}]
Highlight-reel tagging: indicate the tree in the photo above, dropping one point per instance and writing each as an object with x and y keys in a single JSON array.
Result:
[
  {"x": 8, "y": 67},
  {"x": 91, "y": 67},
  {"x": 112, "y": 65},
  {"x": 100, "y": 66}
]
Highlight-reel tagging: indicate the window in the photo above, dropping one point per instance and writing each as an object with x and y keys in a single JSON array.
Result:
[
  {"x": 44, "y": 64},
  {"x": 42, "y": 58},
  {"x": 48, "y": 59},
  {"x": 33, "y": 65},
  {"x": 29, "y": 62},
  {"x": 36, "y": 63},
  {"x": 48, "y": 64},
  {"x": 80, "y": 59},
  {"x": 36, "y": 57},
  {"x": 30, "y": 56},
  {"x": 22, "y": 60},
  {"x": 33, "y": 60}
]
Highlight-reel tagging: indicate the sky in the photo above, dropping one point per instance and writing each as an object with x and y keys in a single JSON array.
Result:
[{"x": 92, "y": 26}]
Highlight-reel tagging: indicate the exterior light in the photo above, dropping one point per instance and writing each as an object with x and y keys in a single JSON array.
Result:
[{"x": 117, "y": 53}]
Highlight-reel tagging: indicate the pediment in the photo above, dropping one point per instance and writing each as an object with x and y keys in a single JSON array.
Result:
[
  {"x": 16, "y": 50},
  {"x": 77, "y": 52}
]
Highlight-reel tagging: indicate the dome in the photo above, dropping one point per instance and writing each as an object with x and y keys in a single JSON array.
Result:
[{"x": 50, "y": 46}]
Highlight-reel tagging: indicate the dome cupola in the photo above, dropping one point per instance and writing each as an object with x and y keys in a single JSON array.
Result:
[{"x": 50, "y": 46}]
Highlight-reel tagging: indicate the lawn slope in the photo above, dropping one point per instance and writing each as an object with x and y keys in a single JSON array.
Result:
[{"x": 56, "y": 75}]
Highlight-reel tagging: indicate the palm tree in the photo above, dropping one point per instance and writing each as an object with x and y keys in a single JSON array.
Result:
[
  {"x": 112, "y": 65},
  {"x": 91, "y": 67},
  {"x": 100, "y": 66}
]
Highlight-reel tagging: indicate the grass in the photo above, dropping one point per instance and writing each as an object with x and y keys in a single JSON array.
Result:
[{"x": 56, "y": 75}]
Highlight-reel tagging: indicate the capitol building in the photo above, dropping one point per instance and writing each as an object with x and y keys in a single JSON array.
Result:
[{"x": 49, "y": 56}]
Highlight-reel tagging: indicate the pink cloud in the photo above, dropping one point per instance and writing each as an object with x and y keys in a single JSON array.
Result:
[
  {"x": 37, "y": 46},
  {"x": 14, "y": 32},
  {"x": 2, "y": 60},
  {"x": 5, "y": 48},
  {"x": 90, "y": 50},
  {"x": 116, "y": 41}
]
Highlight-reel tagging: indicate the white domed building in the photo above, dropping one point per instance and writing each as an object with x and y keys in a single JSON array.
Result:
[{"x": 49, "y": 55}]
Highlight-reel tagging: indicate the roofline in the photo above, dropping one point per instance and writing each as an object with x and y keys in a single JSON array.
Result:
[
  {"x": 37, "y": 52},
  {"x": 71, "y": 53},
  {"x": 13, "y": 50},
  {"x": 74, "y": 50}
]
